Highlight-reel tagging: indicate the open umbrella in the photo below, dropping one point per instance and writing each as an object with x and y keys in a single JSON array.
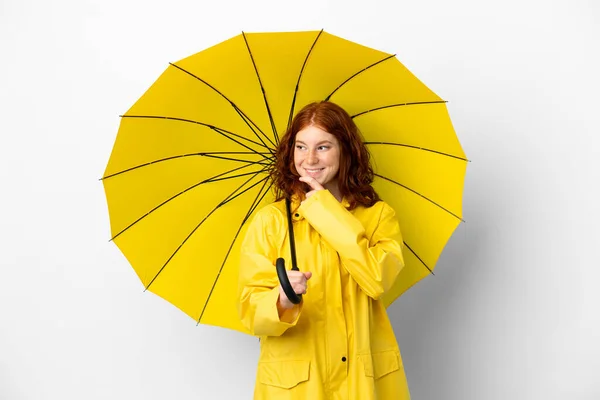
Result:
[{"x": 190, "y": 162}]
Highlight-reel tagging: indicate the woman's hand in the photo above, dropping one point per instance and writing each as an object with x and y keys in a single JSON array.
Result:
[
  {"x": 298, "y": 280},
  {"x": 312, "y": 182}
]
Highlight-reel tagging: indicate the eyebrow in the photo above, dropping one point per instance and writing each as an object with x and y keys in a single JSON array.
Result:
[{"x": 321, "y": 142}]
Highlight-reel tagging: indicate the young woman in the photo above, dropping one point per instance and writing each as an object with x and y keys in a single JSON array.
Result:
[{"x": 338, "y": 342}]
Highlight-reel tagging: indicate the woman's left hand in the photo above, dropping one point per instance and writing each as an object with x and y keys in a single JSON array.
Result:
[{"x": 312, "y": 182}]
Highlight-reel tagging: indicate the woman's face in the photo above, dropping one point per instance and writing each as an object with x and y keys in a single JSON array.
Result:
[{"x": 317, "y": 154}]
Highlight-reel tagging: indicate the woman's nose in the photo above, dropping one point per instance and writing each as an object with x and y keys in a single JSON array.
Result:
[{"x": 311, "y": 157}]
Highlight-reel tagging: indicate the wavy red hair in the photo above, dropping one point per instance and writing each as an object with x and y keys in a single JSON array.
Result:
[{"x": 355, "y": 174}]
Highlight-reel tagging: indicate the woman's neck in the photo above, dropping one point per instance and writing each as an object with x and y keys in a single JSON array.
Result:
[{"x": 335, "y": 191}]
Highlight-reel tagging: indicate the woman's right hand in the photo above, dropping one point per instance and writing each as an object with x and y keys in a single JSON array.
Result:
[{"x": 298, "y": 280}]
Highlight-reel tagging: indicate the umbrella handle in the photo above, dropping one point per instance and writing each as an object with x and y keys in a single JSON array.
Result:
[{"x": 285, "y": 281}]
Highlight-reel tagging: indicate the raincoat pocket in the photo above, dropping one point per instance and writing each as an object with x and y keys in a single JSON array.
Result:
[
  {"x": 283, "y": 374},
  {"x": 381, "y": 363}
]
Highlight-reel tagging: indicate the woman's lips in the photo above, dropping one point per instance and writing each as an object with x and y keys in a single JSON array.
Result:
[{"x": 313, "y": 171}]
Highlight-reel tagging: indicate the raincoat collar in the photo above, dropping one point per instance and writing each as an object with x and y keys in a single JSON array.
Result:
[{"x": 296, "y": 201}]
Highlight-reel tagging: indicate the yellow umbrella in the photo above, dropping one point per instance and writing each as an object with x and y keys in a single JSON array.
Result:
[{"x": 189, "y": 164}]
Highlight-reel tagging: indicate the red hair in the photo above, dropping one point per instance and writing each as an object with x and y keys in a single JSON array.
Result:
[{"x": 355, "y": 173}]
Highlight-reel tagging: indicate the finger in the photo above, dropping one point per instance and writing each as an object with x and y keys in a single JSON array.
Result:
[
  {"x": 308, "y": 194},
  {"x": 312, "y": 182},
  {"x": 299, "y": 276},
  {"x": 295, "y": 276},
  {"x": 300, "y": 288}
]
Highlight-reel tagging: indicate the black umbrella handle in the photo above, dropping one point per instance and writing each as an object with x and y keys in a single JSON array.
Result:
[
  {"x": 285, "y": 281},
  {"x": 280, "y": 264}
]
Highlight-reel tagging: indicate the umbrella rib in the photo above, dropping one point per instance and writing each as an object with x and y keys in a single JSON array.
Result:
[
  {"x": 400, "y": 105},
  {"x": 215, "y": 178},
  {"x": 419, "y": 194},
  {"x": 262, "y": 90},
  {"x": 209, "y": 155},
  {"x": 419, "y": 258},
  {"x": 247, "y": 120},
  {"x": 220, "y": 131},
  {"x": 253, "y": 207},
  {"x": 300, "y": 77},
  {"x": 243, "y": 116},
  {"x": 418, "y": 148},
  {"x": 357, "y": 73},
  {"x": 229, "y": 197}
]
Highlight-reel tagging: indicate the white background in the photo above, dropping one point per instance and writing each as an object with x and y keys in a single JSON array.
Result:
[{"x": 512, "y": 312}]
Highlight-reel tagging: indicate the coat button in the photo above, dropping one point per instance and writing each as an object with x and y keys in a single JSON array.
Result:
[{"x": 344, "y": 359}]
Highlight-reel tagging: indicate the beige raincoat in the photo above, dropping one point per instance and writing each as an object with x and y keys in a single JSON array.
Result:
[{"x": 338, "y": 343}]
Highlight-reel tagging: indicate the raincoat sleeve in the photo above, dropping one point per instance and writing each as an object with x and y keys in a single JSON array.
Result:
[
  {"x": 373, "y": 263},
  {"x": 258, "y": 291}
]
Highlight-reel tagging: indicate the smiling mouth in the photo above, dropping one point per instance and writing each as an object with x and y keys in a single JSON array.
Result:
[{"x": 313, "y": 171}]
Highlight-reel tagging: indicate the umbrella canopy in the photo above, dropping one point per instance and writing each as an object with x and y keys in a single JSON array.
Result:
[{"x": 190, "y": 162}]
